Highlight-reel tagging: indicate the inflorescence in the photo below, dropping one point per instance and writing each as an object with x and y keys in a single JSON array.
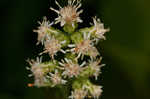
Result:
[{"x": 80, "y": 58}]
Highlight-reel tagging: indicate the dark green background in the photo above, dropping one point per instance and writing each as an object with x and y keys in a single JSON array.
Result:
[{"x": 126, "y": 50}]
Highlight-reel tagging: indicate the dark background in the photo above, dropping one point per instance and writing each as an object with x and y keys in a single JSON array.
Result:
[{"x": 126, "y": 50}]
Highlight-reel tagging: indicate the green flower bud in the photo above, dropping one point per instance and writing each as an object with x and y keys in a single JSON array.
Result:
[{"x": 69, "y": 28}]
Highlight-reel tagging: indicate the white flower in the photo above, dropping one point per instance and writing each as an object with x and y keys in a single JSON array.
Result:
[
  {"x": 71, "y": 68},
  {"x": 78, "y": 94},
  {"x": 37, "y": 71},
  {"x": 52, "y": 46},
  {"x": 56, "y": 78},
  {"x": 85, "y": 47},
  {"x": 98, "y": 29},
  {"x": 36, "y": 67},
  {"x": 42, "y": 30},
  {"x": 39, "y": 82},
  {"x": 95, "y": 67},
  {"x": 96, "y": 91},
  {"x": 68, "y": 14}
]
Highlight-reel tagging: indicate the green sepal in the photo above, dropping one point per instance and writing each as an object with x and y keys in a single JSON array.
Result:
[
  {"x": 76, "y": 37},
  {"x": 88, "y": 30},
  {"x": 69, "y": 28},
  {"x": 49, "y": 66},
  {"x": 80, "y": 82},
  {"x": 63, "y": 37},
  {"x": 87, "y": 72},
  {"x": 85, "y": 30},
  {"x": 59, "y": 35}
]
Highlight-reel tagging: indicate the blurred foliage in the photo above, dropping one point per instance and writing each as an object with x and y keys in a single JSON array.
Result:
[{"x": 126, "y": 50}]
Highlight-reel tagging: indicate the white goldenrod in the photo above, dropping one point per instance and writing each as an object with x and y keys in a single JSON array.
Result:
[
  {"x": 78, "y": 94},
  {"x": 42, "y": 30},
  {"x": 71, "y": 69},
  {"x": 98, "y": 29},
  {"x": 95, "y": 67},
  {"x": 96, "y": 91},
  {"x": 85, "y": 47},
  {"x": 36, "y": 67},
  {"x": 38, "y": 71},
  {"x": 70, "y": 66},
  {"x": 68, "y": 14},
  {"x": 56, "y": 78},
  {"x": 52, "y": 46}
]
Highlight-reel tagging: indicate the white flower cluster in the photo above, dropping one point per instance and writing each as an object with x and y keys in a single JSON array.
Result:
[
  {"x": 80, "y": 58},
  {"x": 68, "y": 14}
]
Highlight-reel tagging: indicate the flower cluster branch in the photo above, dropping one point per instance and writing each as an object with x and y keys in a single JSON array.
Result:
[{"x": 81, "y": 59}]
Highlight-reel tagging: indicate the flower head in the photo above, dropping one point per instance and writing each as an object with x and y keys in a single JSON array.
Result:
[
  {"x": 98, "y": 29},
  {"x": 56, "y": 78},
  {"x": 78, "y": 94},
  {"x": 71, "y": 68},
  {"x": 95, "y": 67},
  {"x": 85, "y": 47},
  {"x": 38, "y": 71},
  {"x": 68, "y": 14},
  {"x": 36, "y": 67},
  {"x": 96, "y": 91},
  {"x": 52, "y": 46},
  {"x": 42, "y": 30}
]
